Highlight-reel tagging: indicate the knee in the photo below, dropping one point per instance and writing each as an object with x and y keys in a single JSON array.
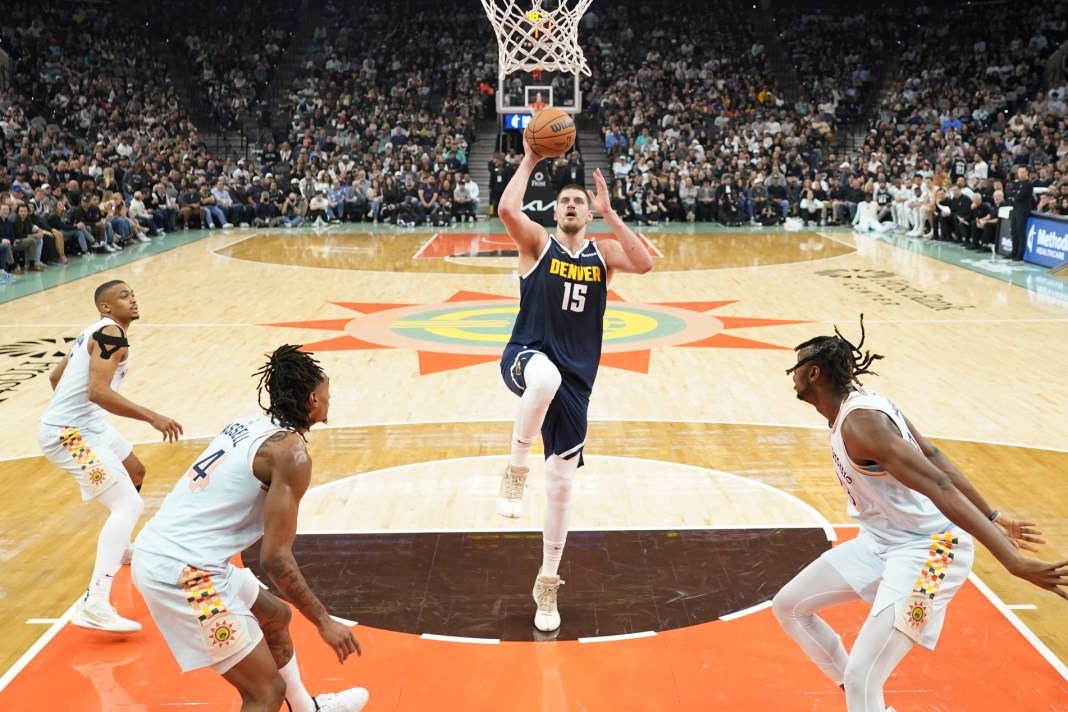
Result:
[
  {"x": 275, "y": 622},
  {"x": 783, "y": 608},
  {"x": 546, "y": 385},
  {"x": 558, "y": 489},
  {"x": 136, "y": 470},
  {"x": 271, "y": 694},
  {"x": 856, "y": 680}
]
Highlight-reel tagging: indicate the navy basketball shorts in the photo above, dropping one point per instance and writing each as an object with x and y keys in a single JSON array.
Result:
[{"x": 563, "y": 432}]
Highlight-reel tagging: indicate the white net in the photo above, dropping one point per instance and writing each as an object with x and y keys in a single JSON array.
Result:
[{"x": 535, "y": 38}]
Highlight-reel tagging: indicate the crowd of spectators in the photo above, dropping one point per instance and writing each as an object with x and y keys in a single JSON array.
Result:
[
  {"x": 100, "y": 152},
  {"x": 233, "y": 69}
]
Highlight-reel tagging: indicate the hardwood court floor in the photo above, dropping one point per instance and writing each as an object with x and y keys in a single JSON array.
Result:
[{"x": 407, "y": 322}]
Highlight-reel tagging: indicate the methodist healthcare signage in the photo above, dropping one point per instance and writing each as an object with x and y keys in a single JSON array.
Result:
[{"x": 1047, "y": 240}]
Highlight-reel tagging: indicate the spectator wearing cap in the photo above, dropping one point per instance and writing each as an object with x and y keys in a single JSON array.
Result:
[
  {"x": 16, "y": 195},
  {"x": 756, "y": 199}
]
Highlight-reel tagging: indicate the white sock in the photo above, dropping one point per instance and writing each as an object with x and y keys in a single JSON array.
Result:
[
  {"x": 99, "y": 593},
  {"x": 551, "y": 553},
  {"x": 559, "y": 476},
  {"x": 520, "y": 450},
  {"x": 297, "y": 697}
]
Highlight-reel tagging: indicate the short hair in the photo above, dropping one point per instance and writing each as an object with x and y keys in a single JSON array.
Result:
[
  {"x": 103, "y": 289},
  {"x": 573, "y": 186}
]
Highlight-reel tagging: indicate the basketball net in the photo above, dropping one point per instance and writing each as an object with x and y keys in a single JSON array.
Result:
[{"x": 535, "y": 39}]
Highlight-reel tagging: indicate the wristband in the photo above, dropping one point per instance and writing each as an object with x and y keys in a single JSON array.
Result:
[{"x": 994, "y": 516}]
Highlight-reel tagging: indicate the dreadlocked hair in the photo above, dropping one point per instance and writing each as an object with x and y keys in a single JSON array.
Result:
[
  {"x": 289, "y": 377},
  {"x": 838, "y": 358}
]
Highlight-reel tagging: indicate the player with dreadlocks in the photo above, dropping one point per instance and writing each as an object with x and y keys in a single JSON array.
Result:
[
  {"x": 247, "y": 484},
  {"x": 917, "y": 516}
]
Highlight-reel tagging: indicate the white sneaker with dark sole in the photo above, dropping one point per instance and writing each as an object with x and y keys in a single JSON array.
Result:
[
  {"x": 545, "y": 589},
  {"x": 104, "y": 618},
  {"x": 351, "y": 700},
  {"x": 510, "y": 494}
]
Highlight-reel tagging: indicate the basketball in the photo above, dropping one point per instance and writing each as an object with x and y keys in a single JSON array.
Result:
[{"x": 550, "y": 133}]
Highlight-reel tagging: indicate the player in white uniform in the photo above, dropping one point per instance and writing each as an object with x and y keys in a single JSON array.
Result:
[
  {"x": 917, "y": 515},
  {"x": 247, "y": 484},
  {"x": 75, "y": 436}
]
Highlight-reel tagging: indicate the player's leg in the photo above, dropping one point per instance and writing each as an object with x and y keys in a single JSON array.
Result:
[
  {"x": 818, "y": 586},
  {"x": 257, "y": 680},
  {"x": 274, "y": 616},
  {"x": 564, "y": 436},
  {"x": 559, "y": 478},
  {"x": 95, "y": 461},
  {"x": 536, "y": 379},
  {"x": 878, "y": 650}
]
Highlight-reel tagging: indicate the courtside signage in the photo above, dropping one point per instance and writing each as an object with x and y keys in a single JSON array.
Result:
[{"x": 1047, "y": 241}]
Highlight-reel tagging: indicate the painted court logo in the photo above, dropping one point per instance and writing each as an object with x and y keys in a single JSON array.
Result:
[{"x": 471, "y": 328}]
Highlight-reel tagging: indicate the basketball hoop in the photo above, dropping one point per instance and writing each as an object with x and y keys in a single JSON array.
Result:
[{"x": 537, "y": 39}]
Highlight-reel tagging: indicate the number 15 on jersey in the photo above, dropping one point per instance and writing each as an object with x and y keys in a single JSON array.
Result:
[{"x": 574, "y": 297}]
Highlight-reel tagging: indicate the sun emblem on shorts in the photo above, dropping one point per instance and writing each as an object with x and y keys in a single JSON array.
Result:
[
  {"x": 222, "y": 633},
  {"x": 917, "y": 614},
  {"x": 96, "y": 476}
]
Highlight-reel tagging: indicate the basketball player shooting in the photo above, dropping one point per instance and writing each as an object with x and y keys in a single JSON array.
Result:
[
  {"x": 917, "y": 515},
  {"x": 551, "y": 359}
]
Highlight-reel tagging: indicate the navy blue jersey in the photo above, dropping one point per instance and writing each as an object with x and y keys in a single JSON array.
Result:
[{"x": 561, "y": 309}]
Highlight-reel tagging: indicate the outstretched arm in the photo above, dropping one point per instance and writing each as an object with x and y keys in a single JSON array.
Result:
[
  {"x": 283, "y": 461},
  {"x": 871, "y": 436},
  {"x": 1023, "y": 535},
  {"x": 626, "y": 253}
]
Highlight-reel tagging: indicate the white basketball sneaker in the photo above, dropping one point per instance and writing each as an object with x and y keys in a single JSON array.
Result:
[
  {"x": 545, "y": 589},
  {"x": 102, "y": 617},
  {"x": 351, "y": 700},
  {"x": 510, "y": 495}
]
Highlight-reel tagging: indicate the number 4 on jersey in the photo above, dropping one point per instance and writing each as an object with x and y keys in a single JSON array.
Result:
[{"x": 200, "y": 472}]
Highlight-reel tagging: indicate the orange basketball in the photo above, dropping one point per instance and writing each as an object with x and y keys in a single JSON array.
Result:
[{"x": 551, "y": 133}]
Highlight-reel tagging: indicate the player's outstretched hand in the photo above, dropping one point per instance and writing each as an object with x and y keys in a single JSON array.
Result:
[
  {"x": 341, "y": 638},
  {"x": 1050, "y": 576},
  {"x": 170, "y": 427},
  {"x": 601, "y": 201},
  {"x": 1023, "y": 535}
]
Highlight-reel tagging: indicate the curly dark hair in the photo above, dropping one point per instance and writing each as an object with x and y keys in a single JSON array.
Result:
[
  {"x": 289, "y": 377},
  {"x": 838, "y": 358}
]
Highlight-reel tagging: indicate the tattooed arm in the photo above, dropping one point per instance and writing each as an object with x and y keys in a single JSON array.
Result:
[{"x": 283, "y": 463}]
